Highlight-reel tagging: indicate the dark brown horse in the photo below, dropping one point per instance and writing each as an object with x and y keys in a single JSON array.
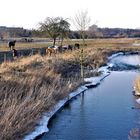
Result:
[
  {"x": 15, "y": 53},
  {"x": 11, "y": 44},
  {"x": 77, "y": 45},
  {"x": 67, "y": 47}
]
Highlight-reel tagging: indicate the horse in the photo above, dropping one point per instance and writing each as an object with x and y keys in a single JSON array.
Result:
[
  {"x": 15, "y": 53},
  {"x": 67, "y": 47},
  {"x": 52, "y": 50},
  {"x": 77, "y": 45},
  {"x": 11, "y": 44}
]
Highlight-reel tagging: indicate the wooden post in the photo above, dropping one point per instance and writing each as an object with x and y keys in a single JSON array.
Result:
[{"x": 5, "y": 59}]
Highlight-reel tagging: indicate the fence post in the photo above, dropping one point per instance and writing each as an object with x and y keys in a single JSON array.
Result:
[{"x": 5, "y": 59}]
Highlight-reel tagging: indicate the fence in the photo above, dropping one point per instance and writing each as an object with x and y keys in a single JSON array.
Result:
[{"x": 8, "y": 55}]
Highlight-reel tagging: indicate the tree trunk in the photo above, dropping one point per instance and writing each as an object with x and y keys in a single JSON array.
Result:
[
  {"x": 81, "y": 61},
  {"x": 62, "y": 39},
  {"x": 82, "y": 57},
  {"x": 54, "y": 40}
]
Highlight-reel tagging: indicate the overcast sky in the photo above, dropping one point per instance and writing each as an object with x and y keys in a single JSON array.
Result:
[{"x": 105, "y": 13}]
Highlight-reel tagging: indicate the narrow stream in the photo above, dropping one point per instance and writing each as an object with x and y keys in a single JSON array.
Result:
[{"x": 102, "y": 113}]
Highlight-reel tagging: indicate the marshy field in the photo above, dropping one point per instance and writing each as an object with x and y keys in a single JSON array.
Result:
[{"x": 30, "y": 86}]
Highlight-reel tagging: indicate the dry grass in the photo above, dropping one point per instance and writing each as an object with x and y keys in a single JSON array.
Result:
[
  {"x": 23, "y": 99},
  {"x": 19, "y": 46},
  {"x": 22, "y": 103},
  {"x": 29, "y": 86},
  {"x": 94, "y": 42},
  {"x": 137, "y": 84}
]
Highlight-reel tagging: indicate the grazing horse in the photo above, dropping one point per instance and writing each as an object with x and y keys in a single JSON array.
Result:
[
  {"x": 67, "y": 47},
  {"x": 11, "y": 44},
  {"x": 77, "y": 45},
  {"x": 52, "y": 50},
  {"x": 70, "y": 47}
]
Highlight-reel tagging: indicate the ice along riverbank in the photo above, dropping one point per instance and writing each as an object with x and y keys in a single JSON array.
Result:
[{"x": 42, "y": 126}]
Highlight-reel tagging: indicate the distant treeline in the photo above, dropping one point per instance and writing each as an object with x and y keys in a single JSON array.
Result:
[
  {"x": 99, "y": 33},
  {"x": 92, "y": 32},
  {"x": 8, "y": 32},
  {"x": 115, "y": 33}
]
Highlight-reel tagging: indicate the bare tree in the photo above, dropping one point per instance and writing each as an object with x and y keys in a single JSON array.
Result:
[{"x": 82, "y": 22}]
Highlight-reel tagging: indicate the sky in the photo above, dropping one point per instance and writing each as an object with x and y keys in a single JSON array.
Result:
[{"x": 104, "y": 13}]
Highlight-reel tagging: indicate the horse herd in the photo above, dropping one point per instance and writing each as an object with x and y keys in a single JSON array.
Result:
[
  {"x": 54, "y": 49},
  {"x": 49, "y": 50}
]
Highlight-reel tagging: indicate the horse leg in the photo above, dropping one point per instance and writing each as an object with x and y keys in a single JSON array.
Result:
[
  {"x": 55, "y": 51},
  {"x": 50, "y": 52}
]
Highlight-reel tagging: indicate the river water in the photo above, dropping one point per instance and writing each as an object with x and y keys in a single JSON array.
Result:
[{"x": 107, "y": 112}]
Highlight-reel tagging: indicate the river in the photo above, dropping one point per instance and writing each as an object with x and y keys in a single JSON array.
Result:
[{"x": 107, "y": 112}]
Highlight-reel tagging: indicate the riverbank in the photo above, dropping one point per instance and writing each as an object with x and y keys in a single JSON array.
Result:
[
  {"x": 43, "y": 124},
  {"x": 29, "y": 87},
  {"x": 94, "y": 81},
  {"x": 34, "y": 85}
]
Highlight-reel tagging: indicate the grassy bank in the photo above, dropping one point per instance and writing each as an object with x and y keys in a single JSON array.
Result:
[
  {"x": 33, "y": 85},
  {"x": 137, "y": 86},
  {"x": 28, "y": 87}
]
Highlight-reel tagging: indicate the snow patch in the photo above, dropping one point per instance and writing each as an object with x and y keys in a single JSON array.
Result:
[
  {"x": 110, "y": 65},
  {"x": 78, "y": 91},
  {"x": 115, "y": 55},
  {"x": 136, "y": 44},
  {"x": 104, "y": 69},
  {"x": 138, "y": 100},
  {"x": 136, "y": 93},
  {"x": 95, "y": 80}
]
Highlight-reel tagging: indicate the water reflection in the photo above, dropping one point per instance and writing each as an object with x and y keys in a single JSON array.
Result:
[{"x": 82, "y": 98}]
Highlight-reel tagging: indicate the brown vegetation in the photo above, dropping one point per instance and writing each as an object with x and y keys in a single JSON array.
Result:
[
  {"x": 137, "y": 86},
  {"x": 29, "y": 87}
]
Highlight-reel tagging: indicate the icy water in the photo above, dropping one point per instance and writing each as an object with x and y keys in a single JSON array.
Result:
[
  {"x": 129, "y": 60},
  {"x": 107, "y": 112}
]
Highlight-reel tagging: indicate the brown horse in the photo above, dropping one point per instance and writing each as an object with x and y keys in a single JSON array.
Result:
[{"x": 52, "y": 50}]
